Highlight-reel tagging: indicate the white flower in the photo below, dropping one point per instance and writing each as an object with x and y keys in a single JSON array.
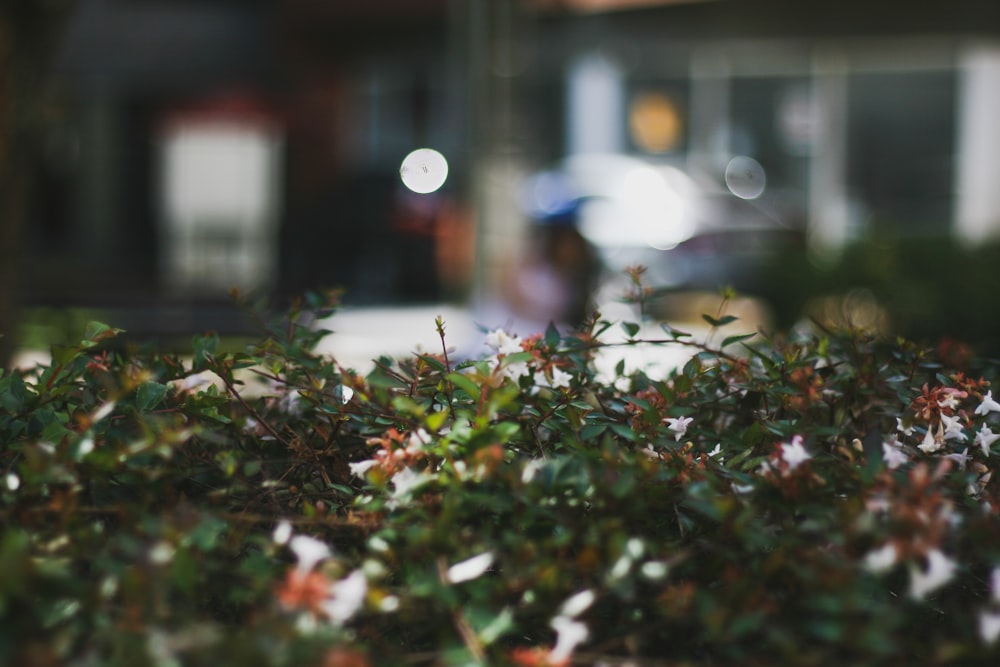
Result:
[
  {"x": 940, "y": 570},
  {"x": 346, "y": 597},
  {"x": 512, "y": 370},
  {"x": 85, "y": 447},
  {"x": 654, "y": 569},
  {"x": 882, "y": 559},
  {"x": 503, "y": 342},
  {"x": 515, "y": 370},
  {"x": 470, "y": 568},
  {"x": 346, "y": 394},
  {"x": 577, "y": 604},
  {"x": 560, "y": 378},
  {"x": 13, "y": 481},
  {"x": 793, "y": 453},
  {"x": 961, "y": 458},
  {"x": 405, "y": 481},
  {"x": 905, "y": 430},
  {"x": 989, "y": 626},
  {"x": 359, "y": 468},
  {"x": 308, "y": 550},
  {"x": 953, "y": 428},
  {"x": 102, "y": 412},
  {"x": 650, "y": 453},
  {"x": 161, "y": 553},
  {"x": 878, "y": 504},
  {"x": 950, "y": 402},
  {"x": 985, "y": 439},
  {"x": 569, "y": 634},
  {"x": 988, "y": 405},
  {"x": 679, "y": 426},
  {"x": 892, "y": 454},
  {"x": 931, "y": 442},
  {"x": 717, "y": 453},
  {"x": 193, "y": 381},
  {"x": 282, "y": 532},
  {"x": 417, "y": 440},
  {"x": 531, "y": 469}
]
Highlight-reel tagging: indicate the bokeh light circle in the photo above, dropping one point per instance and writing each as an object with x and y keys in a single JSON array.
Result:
[
  {"x": 745, "y": 177},
  {"x": 424, "y": 170}
]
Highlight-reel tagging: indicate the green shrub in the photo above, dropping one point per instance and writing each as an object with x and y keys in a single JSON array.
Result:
[
  {"x": 821, "y": 497},
  {"x": 926, "y": 288}
]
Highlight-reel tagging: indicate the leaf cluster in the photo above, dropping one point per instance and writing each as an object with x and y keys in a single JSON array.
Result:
[{"x": 774, "y": 500}]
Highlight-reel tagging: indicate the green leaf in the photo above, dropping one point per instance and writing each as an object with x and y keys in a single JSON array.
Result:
[
  {"x": 677, "y": 334},
  {"x": 54, "y": 432},
  {"x": 722, "y": 321},
  {"x": 505, "y": 431},
  {"x": 464, "y": 383},
  {"x": 149, "y": 395},
  {"x": 630, "y": 328},
  {"x": 552, "y": 336},
  {"x": 435, "y": 420},
  {"x": 592, "y": 431},
  {"x": 495, "y": 627},
  {"x": 742, "y": 456},
  {"x": 408, "y": 406},
  {"x": 98, "y": 331},
  {"x": 63, "y": 354},
  {"x": 432, "y": 362},
  {"x": 516, "y": 358},
  {"x": 624, "y": 432},
  {"x": 207, "y": 534},
  {"x": 13, "y": 393},
  {"x": 381, "y": 379},
  {"x": 729, "y": 340},
  {"x": 184, "y": 571},
  {"x": 204, "y": 347}
]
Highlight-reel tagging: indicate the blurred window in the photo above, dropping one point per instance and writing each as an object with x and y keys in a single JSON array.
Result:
[
  {"x": 656, "y": 120},
  {"x": 901, "y": 146},
  {"x": 761, "y": 128},
  {"x": 220, "y": 178}
]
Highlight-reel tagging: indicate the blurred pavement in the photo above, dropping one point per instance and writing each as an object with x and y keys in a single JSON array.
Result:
[{"x": 362, "y": 334}]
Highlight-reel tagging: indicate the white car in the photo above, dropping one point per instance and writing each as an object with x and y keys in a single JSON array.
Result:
[{"x": 687, "y": 234}]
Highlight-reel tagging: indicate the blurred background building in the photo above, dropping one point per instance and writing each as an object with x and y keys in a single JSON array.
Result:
[{"x": 196, "y": 146}]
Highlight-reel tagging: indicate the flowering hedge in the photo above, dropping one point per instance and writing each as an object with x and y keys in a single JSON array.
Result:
[{"x": 812, "y": 498}]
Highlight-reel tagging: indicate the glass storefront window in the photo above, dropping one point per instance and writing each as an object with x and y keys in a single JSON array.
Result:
[{"x": 901, "y": 147}]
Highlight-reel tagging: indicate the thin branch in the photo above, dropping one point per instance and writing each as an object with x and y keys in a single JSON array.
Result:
[{"x": 246, "y": 406}]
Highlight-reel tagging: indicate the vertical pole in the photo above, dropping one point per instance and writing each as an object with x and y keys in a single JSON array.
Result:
[
  {"x": 494, "y": 159},
  {"x": 829, "y": 212},
  {"x": 977, "y": 205},
  {"x": 596, "y": 106}
]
